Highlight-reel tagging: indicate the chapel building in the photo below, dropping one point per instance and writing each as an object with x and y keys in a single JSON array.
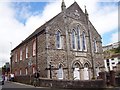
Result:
[{"x": 66, "y": 47}]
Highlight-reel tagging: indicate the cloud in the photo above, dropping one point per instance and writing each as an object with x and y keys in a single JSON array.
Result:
[
  {"x": 114, "y": 37},
  {"x": 13, "y": 30}
]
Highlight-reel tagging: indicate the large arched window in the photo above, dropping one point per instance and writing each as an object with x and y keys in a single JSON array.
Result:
[
  {"x": 78, "y": 37},
  {"x": 73, "y": 39},
  {"x": 83, "y": 41},
  {"x": 58, "y": 39},
  {"x": 95, "y": 45}
]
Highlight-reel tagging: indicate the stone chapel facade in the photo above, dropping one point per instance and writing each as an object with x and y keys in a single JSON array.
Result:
[{"x": 66, "y": 47}]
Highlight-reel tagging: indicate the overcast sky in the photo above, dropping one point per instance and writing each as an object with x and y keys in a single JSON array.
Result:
[{"x": 19, "y": 18}]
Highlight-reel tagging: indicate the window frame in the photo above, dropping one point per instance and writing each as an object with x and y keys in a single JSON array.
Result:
[
  {"x": 58, "y": 40},
  {"x": 78, "y": 38},
  {"x": 84, "y": 48},
  {"x": 16, "y": 57},
  {"x": 26, "y": 52},
  {"x": 26, "y": 71},
  {"x": 21, "y": 54},
  {"x": 34, "y": 48},
  {"x": 95, "y": 45},
  {"x": 73, "y": 39}
]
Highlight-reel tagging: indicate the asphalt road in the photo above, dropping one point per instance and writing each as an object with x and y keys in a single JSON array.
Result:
[{"x": 17, "y": 86}]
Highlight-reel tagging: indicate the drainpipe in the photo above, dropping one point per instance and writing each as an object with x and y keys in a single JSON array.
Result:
[
  {"x": 36, "y": 53},
  {"x": 91, "y": 53}
]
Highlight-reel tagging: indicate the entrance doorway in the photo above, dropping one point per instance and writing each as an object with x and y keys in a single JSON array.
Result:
[
  {"x": 76, "y": 74},
  {"x": 60, "y": 72},
  {"x": 86, "y": 71}
]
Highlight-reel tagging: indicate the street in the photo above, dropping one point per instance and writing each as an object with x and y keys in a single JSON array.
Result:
[{"x": 14, "y": 86}]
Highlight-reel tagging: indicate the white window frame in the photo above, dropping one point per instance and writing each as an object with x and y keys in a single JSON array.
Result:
[
  {"x": 20, "y": 72},
  {"x": 34, "y": 48},
  {"x": 16, "y": 58},
  {"x": 33, "y": 70},
  {"x": 26, "y": 71},
  {"x": 26, "y": 52},
  {"x": 21, "y": 54}
]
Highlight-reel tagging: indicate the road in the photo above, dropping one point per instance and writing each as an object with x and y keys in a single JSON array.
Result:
[{"x": 17, "y": 86}]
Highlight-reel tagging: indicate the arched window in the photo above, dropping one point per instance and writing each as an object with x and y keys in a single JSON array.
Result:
[
  {"x": 16, "y": 57},
  {"x": 21, "y": 54},
  {"x": 73, "y": 39},
  {"x": 34, "y": 48},
  {"x": 78, "y": 37},
  {"x": 60, "y": 72},
  {"x": 26, "y": 51},
  {"x": 58, "y": 39},
  {"x": 83, "y": 41},
  {"x": 95, "y": 45}
]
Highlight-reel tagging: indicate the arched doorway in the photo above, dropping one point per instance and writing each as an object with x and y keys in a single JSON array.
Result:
[
  {"x": 60, "y": 72},
  {"x": 76, "y": 71},
  {"x": 86, "y": 71}
]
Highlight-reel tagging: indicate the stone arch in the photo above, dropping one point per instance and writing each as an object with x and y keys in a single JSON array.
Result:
[
  {"x": 87, "y": 62},
  {"x": 74, "y": 25},
  {"x": 77, "y": 62}
]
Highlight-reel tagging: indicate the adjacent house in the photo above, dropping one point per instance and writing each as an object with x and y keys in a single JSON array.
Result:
[{"x": 111, "y": 56}]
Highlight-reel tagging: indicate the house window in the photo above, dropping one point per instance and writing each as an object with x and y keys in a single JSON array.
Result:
[
  {"x": 83, "y": 41},
  {"x": 95, "y": 46},
  {"x": 33, "y": 70},
  {"x": 26, "y": 71},
  {"x": 73, "y": 39},
  {"x": 27, "y": 52},
  {"x": 16, "y": 57},
  {"x": 20, "y": 72},
  {"x": 58, "y": 39},
  {"x": 15, "y": 73},
  {"x": 78, "y": 38},
  {"x": 34, "y": 48},
  {"x": 21, "y": 54}
]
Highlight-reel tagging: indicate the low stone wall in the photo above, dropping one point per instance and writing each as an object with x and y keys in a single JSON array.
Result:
[
  {"x": 72, "y": 83},
  {"x": 63, "y": 83},
  {"x": 24, "y": 79},
  {"x": 117, "y": 81}
]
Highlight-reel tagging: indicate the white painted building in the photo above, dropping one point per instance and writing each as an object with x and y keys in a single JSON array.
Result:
[
  {"x": 110, "y": 64},
  {"x": 111, "y": 46}
]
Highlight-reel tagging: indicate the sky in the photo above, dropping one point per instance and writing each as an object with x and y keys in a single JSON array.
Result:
[{"x": 19, "y": 18}]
